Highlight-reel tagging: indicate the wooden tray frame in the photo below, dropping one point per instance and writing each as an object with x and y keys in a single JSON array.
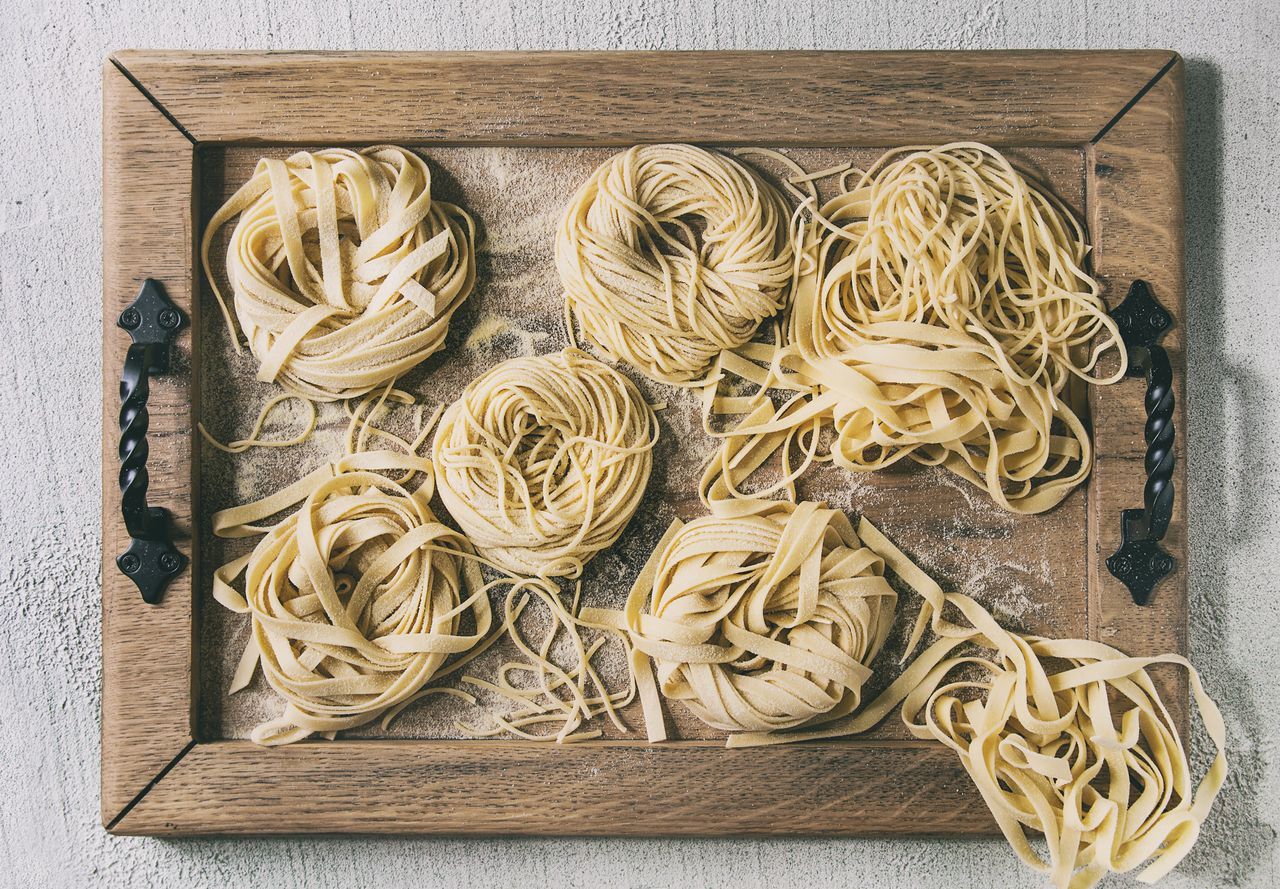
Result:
[{"x": 1123, "y": 110}]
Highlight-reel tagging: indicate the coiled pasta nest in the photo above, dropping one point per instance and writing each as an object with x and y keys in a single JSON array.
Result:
[
  {"x": 763, "y": 617},
  {"x": 669, "y": 254},
  {"x": 345, "y": 270},
  {"x": 543, "y": 461}
]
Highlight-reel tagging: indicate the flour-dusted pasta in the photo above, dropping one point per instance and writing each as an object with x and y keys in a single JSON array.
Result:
[
  {"x": 669, "y": 254},
  {"x": 761, "y": 617},
  {"x": 542, "y": 461},
  {"x": 345, "y": 270},
  {"x": 1068, "y": 738},
  {"x": 956, "y": 237},
  {"x": 357, "y": 598},
  {"x": 940, "y": 313}
]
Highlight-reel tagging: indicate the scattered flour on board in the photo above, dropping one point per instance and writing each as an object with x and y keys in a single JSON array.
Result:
[{"x": 489, "y": 330}]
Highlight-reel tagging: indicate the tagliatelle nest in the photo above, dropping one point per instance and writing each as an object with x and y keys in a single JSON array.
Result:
[
  {"x": 345, "y": 270},
  {"x": 357, "y": 598},
  {"x": 763, "y": 617}
]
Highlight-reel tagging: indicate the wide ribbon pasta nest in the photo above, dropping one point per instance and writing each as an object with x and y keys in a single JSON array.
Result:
[
  {"x": 344, "y": 268},
  {"x": 761, "y": 617},
  {"x": 357, "y": 597},
  {"x": 1068, "y": 738}
]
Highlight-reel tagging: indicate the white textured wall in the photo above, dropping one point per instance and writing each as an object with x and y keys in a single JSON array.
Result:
[{"x": 50, "y": 289}]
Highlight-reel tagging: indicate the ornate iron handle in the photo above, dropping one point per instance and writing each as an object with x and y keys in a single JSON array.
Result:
[
  {"x": 1140, "y": 563},
  {"x": 151, "y": 560}
]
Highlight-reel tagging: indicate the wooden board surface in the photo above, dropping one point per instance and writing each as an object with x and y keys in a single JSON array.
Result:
[
  {"x": 582, "y": 98},
  {"x": 1103, "y": 128}
]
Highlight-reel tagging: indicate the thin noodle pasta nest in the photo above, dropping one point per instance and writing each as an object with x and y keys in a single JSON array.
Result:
[
  {"x": 669, "y": 254},
  {"x": 542, "y": 461},
  {"x": 941, "y": 313}
]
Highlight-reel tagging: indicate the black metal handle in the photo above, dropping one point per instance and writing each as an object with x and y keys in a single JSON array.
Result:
[
  {"x": 151, "y": 560},
  {"x": 1140, "y": 563}
]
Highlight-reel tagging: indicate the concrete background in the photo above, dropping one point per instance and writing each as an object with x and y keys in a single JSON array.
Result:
[{"x": 50, "y": 286}]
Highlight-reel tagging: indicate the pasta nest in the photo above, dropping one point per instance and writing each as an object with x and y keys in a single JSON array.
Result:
[
  {"x": 357, "y": 598},
  {"x": 542, "y": 461},
  {"x": 765, "y": 616},
  {"x": 1068, "y": 738},
  {"x": 955, "y": 237},
  {"x": 941, "y": 312},
  {"x": 669, "y": 254},
  {"x": 345, "y": 270}
]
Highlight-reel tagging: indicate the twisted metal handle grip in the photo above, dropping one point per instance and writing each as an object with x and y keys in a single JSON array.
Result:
[
  {"x": 139, "y": 520},
  {"x": 1140, "y": 563},
  {"x": 1157, "y": 495},
  {"x": 151, "y": 560}
]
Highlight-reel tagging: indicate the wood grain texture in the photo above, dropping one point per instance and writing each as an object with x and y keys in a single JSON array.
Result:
[
  {"x": 146, "y": 651},
  {"x": 1136, "y": 215},
  {"x": 1015, "y": 100},
  {"x": 590, "y": 98},
  {"x": 614, "y": 789}
]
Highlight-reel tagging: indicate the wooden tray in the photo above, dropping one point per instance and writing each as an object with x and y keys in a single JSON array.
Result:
[{"x": 180, "y": 129}]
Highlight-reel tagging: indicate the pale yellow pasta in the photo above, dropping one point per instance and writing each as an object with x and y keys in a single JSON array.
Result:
[
  {"x": 255, "y": 439},
  {"x": 357, "y": 598},
  {"x": 542, "y": 461},
  {"x": 763, "y": 616},
  {"x": 941, "y": 313},
  {"x": 669, "y": 254},
  {"x": 956, "y": 237},
  {"x": 542, "y": 700},
  {"x": 345, "y": 269},
  {"x": 423, "y": 579},
  {"x": 1067, "y": 738},
  {"x": 770, "y": 615}
]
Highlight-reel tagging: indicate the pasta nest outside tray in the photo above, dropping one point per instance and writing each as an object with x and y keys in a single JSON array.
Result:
[
  {"x": 345, "y": 269},
  {"x": 543, "y": 461},
  {"x": 669, "y": 254},
  {"x": 357, "y": 598},
  {"x": 762, "y": 617}
]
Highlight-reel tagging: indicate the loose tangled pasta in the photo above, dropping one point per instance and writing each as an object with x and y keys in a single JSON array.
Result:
[
  {"x": 940, "y": 313},
  {"x": 550, "y": 698},
  {"x": 357, "y": 598},
  {"x": 669, "y": 254},
  {"x": 345, "y": 270},
  {"x": 956, "y": 237},
  {"x": 542, "y": 461},
  {"x": 1063, "y": 737},
  {"x": 761, "y": 617}
]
